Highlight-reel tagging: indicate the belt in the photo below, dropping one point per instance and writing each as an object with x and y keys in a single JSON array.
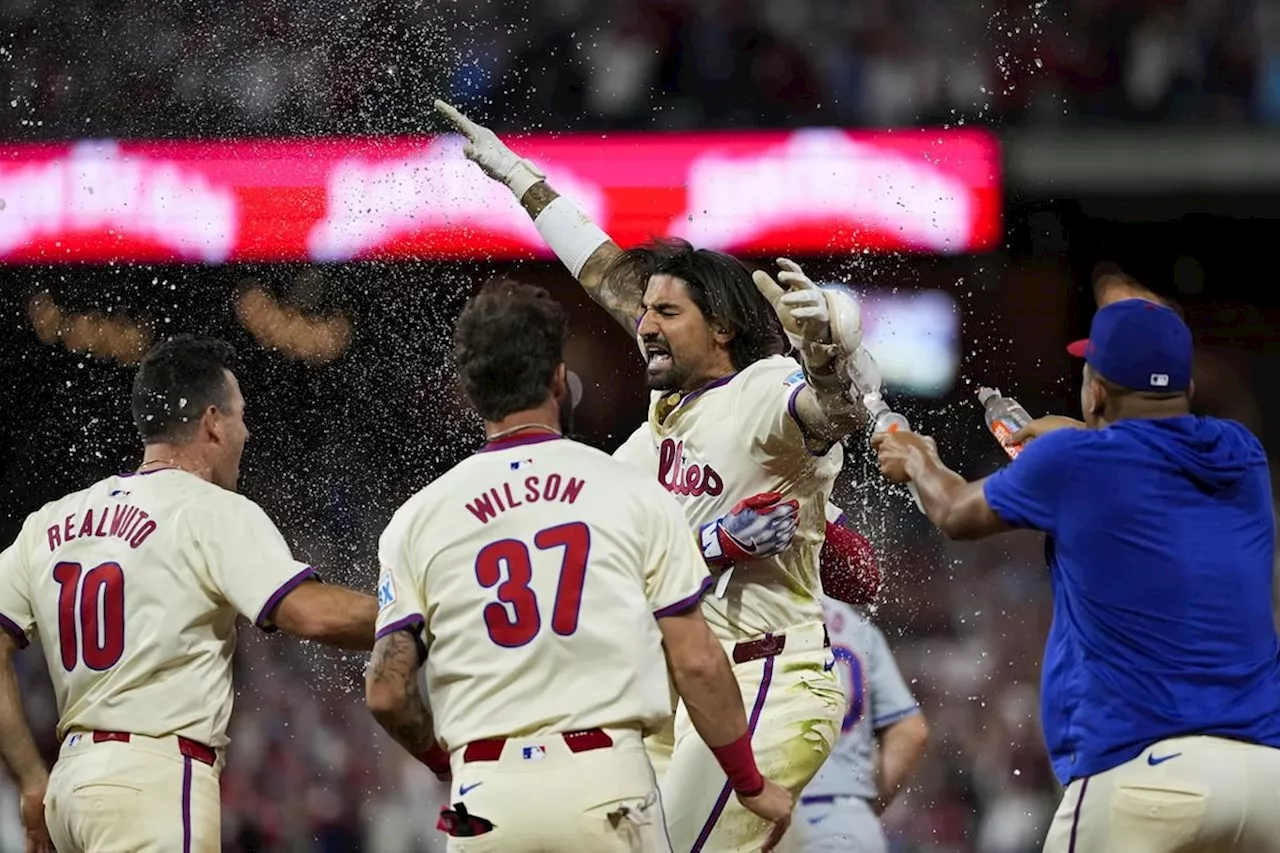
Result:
[
  {"x": 188, "y": 747},
  {"x": 768, "y": 646},
  {"x": 826, "y": 799},
  {"x": 490, "y": 748}
]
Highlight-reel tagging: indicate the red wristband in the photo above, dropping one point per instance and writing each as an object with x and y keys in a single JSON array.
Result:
[
  {"x": 436, "y": 759},
  {"x": 739, "y": 763}
]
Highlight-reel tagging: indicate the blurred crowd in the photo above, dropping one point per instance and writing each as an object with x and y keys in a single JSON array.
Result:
[{"x": 137, "y": 68}]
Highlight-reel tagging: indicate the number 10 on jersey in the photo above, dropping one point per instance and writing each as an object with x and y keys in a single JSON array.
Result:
[{"x": 90, "y": 614}]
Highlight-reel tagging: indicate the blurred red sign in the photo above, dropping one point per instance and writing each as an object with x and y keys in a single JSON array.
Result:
[{"x": 813, "y": 191}]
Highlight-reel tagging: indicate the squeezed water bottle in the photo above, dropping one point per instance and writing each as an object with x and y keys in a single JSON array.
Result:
[
  {"x": 1004, "y": 417},
  {"x": 885, "y": 419}
]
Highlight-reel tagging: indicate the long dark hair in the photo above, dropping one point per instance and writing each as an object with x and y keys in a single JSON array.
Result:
[{"x": 720, "y": 285}]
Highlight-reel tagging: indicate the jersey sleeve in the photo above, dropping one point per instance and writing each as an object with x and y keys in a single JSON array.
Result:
[
  {"x": 638, "y": 450},
  {"x": 891, "y": 699},
  {"x": 675, "y": 575},
  {"x": 767, "y": 419},
  {"x": 1028, "y": 491},
  {"x": 401, "y": 604},
  {"x": 17, "y": 616},
  {"x": 249, "y": 561}
]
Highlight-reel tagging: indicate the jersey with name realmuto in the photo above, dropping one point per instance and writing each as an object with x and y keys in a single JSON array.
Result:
[{"x": 133, "y": 586}]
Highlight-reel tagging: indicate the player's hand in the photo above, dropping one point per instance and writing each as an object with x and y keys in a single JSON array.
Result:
[
  {"x": 774, "y": 804},
  {"x": 760, "y": 526},
  {"x": 897, "y": 450},
  {"x": 814, "y": 319},
  {"x": 491, "y": 154},
  {"x": 1043, "y": 426},
  {"x": 32, "y": 810}
]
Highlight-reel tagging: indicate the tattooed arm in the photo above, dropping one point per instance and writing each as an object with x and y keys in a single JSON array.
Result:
[
  {"x": 616, "y": 290},
  {"x": 586, "y": 251},
  {"x": 392, "y": 695}
]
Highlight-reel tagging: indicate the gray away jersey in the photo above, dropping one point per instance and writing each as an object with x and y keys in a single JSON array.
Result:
[{"x": 877, "y": 696}]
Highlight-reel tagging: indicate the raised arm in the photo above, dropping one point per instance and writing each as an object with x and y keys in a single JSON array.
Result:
[{"x": 585, "y": 250}]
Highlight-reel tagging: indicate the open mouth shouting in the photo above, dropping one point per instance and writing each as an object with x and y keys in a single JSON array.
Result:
[{"x": 659, "y": 357}]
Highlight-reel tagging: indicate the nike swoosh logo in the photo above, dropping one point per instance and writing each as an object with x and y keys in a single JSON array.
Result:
[
  {"x": 1153, "y": 761},
  {"x": 818, "y": 819},
  {"x": 463, "y": 789}
]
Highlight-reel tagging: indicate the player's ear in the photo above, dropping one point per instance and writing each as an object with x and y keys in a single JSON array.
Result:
[
  {"x": 721, "y": 333},
  {"x": 560, "y": 385},
  {"x": 212, "y": 427}
]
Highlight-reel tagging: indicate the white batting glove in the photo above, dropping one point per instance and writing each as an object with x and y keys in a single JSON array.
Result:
[
  {"x": 491, "y": 154},
  {"x": 820, "y": 323},
  {"x": 760, "y": 526}
]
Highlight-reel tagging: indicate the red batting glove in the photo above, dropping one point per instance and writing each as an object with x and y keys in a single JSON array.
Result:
[
  {"x": 760, "y": 526},
  {"x": 848, "y": 566}
]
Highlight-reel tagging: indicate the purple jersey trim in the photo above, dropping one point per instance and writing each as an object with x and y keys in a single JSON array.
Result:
[
  {"x": 285, "y": 588},
  {"x": 516, "y": 441},
  {"x": 412, "y": 622},
  {"x": 688, "y": 603},
  {"x": 12, "y": 627}
]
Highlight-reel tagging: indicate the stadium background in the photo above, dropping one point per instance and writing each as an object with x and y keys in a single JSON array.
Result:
[{"x": 1134, "y": 133}]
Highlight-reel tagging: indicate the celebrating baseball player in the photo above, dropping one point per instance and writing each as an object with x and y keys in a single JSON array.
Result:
[
  {"x": 133, "y": 586},
  {"x": 538, "y": 583},
  {"x": 730, "y": 416},
  {"x": 882, "y": 736}
]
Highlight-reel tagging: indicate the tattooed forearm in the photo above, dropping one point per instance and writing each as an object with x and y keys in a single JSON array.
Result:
[
  {"x": 537, "y": 197},
  {"x": 613, "y": 290},
  {"x": 393, "y": 695}
]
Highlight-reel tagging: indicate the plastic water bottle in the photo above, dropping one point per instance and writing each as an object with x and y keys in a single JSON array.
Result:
[
  {"x": 885, "y": 419},
  {"x": 1004, "y": 417}
]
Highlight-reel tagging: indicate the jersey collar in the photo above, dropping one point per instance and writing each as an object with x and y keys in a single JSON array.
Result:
[{"x": 516, "y": 441}]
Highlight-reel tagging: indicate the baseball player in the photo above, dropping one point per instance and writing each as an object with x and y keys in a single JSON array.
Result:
[
  {"x": 538, "y": 583},
  {"x": 882, "y": 737},
  {"x": 133, "y": 586},
  {"x": 1160, "y": 701},
  {"x": 729, "y": 416}
]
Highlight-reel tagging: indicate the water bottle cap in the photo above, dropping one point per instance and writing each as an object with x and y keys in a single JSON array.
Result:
[{"x": 985, "y": 394}]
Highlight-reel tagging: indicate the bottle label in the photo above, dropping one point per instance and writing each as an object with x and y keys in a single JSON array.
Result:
[{"x": 1004, "y": 435}]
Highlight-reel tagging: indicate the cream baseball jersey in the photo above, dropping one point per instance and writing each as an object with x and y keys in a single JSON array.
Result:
[
  {"x": 133, "y": 586},
  {"x": 734, "y": 438},
  {"x": 535, "y": 570}
]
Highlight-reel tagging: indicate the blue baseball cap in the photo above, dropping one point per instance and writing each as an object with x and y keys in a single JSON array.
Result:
[{"x": 1140, "y": 345}]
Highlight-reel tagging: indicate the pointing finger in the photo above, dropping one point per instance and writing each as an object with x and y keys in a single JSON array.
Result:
[{"x": 464, "y": 125}]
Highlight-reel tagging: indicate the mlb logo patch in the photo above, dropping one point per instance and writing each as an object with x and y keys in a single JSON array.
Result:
[
  {"x": 75, "y": 739},
  {"x": 534, "y": 753},
  {"x": 515, "y": 466},
  {"x": 794, "y": 378},
  {"x": 386, "y": 590},
  {"x": 1159, "y": 380}
]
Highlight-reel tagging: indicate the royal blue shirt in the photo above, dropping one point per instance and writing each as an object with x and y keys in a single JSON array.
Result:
[{"x": 1160, "y": 549}]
